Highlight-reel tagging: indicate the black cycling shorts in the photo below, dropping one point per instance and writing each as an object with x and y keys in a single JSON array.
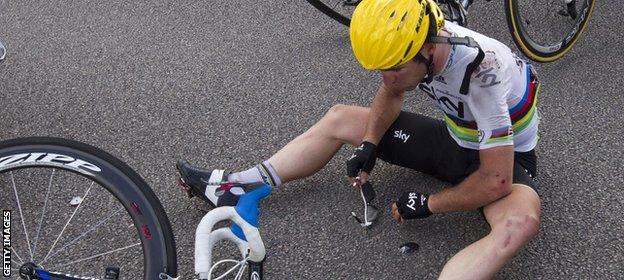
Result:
[{"x": 424, "y": 144}]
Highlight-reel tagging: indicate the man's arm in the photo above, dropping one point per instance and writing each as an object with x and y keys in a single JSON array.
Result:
[
  {"x": 488, "y": 103},
  {"x": 490, "y": 182},
  {"x": 385, "y": 109}
]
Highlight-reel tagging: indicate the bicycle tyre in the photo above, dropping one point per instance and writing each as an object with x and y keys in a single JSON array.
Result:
[
  {"x": 330, "y": 12},
  {"x": 544, "y": 53},
  {"x": 119, "y": 179},
  {"x": 341, "y": 17}
]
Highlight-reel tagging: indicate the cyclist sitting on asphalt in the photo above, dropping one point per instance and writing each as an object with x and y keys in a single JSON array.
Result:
[{"x": 484, "y": 147}]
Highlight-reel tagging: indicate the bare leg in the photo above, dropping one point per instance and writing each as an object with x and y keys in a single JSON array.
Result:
[
  {"x": 312, "y": 150},
  {"x": 514, "y": 220}
]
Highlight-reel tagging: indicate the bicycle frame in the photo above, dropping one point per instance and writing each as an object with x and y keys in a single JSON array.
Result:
[
  {"x": 458, "y": 9},
  {"x": 243, "y": 232}
]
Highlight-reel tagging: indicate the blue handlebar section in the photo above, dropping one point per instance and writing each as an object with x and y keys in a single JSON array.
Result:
[
  {"x": 42, "y": 274},
  {"x": 247, "y": 208}
]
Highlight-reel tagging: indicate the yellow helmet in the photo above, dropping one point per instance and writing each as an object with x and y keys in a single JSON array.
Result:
[{"x": 388, "y": 33}]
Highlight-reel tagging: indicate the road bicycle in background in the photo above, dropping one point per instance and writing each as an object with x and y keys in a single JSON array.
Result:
[{"x": 543, "y": 30}]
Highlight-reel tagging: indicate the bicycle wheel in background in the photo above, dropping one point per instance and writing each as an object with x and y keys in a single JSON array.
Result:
[
  {"x": 339, "y": 10},
  {"x": 76, "y": 210},
  {"x": 546, "y": 30}
]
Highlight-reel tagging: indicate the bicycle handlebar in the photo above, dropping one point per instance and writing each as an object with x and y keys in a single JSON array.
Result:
[{"x": 243, "y": 231}]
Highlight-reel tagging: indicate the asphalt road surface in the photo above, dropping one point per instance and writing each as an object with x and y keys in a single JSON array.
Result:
[{"x": 227, "y": 83}]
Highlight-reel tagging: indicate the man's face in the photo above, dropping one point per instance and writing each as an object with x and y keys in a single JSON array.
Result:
[{"x": 405, "y": 77}]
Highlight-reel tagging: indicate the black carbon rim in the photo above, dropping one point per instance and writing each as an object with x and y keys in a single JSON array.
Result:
[
  {"x": 114, "y": 184},
  {"x": 543, "y": 32}
]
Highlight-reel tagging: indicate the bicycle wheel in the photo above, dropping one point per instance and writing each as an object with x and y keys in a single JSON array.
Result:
[
  {"x": 339, "y": 10},
  {"x": 74, "y": 209},
  {"x": 546, "y": 30}
]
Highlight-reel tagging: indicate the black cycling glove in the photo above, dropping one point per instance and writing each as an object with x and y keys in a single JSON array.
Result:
[
  {"x": 363, "y": 159},
  {"x": 413, "y": 205}
]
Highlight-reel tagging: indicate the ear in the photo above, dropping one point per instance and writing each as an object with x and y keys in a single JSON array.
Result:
[{"x": 429, "y": 48}]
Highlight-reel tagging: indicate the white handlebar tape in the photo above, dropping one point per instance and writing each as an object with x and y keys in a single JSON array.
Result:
[{"x": 205, "y": 239}]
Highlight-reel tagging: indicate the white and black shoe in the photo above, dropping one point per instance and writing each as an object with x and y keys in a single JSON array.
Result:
[{"x": 202, "y": 183}]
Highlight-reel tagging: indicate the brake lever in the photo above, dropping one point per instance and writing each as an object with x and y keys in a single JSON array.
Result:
[{"x": 368, "y": 192}]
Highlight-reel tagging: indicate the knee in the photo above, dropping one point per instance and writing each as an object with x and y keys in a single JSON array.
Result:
[
  {"x": 338, "y": 110},
  {"x": 337, "y": 115},
  {"x": 526, "y": 225},
  {"x": 515, "y": 231}
]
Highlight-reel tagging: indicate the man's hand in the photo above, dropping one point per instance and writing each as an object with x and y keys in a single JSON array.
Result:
[
  {"x": 411, "y": 206},
  {"x": 361, "y": 163},
  {"x": 396, "y": 215}
]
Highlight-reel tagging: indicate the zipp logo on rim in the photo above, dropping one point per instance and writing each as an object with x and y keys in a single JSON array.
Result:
[{"x": 50, "y": 159}]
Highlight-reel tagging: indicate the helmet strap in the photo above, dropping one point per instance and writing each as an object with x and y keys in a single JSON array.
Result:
[
  {"x": 432, "y": 32},
  {"x": 466, "y": 41},
  {"x": 419, "y": 58}
]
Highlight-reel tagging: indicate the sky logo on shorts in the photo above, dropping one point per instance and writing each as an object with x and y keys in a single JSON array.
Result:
[{"x": 403, "y": 136}]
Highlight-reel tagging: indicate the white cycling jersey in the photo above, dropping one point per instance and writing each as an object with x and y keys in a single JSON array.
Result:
[{"x": 500, "y": 106}]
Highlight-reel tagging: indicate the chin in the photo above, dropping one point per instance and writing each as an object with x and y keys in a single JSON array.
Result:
[{"x": 410, "y": 88}]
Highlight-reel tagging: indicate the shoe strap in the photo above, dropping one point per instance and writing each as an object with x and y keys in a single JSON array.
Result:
[{"x": 217, "y": 177}]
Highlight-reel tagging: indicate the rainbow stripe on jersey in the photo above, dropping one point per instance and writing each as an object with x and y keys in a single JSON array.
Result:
[{"x": 521, "y": 115}]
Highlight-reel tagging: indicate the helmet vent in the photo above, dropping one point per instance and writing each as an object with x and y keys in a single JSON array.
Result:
[
  {"x": 392, "y": 14},
  {"x": 403, "y": 17},
  {"x": 409, "y": 47}
]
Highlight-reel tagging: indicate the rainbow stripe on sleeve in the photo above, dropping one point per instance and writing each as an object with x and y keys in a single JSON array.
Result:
[
  {"x": 502, "y": 134},
  {"x": 521, "y": 115}
]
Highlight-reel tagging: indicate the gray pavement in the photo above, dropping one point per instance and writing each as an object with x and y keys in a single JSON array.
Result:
[{"x": 227, "y": 83}]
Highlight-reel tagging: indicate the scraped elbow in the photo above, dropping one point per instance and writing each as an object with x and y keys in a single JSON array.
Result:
[{"x": 497, "y": 186}]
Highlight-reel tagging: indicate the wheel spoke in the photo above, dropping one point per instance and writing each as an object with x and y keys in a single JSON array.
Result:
[
  {"x": 85, "y": 233},
  {"x": 98, "y": 255},
  {"x": 19, "y": 206},
  {"x": 45, "y": 204},
  {"x": 17, "y": 255},
  {"x": 67, "y": 223}
]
